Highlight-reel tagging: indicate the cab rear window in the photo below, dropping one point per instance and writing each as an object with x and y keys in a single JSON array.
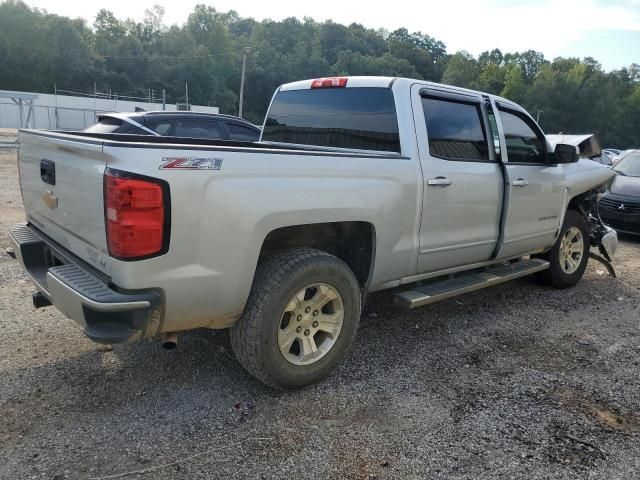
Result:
[{"x": 358, "y": 118}]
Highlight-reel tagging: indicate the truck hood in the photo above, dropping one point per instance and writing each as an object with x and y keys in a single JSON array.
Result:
[
  {"x": 588, "y": 144},
  {"x": 585, "y": 175}
]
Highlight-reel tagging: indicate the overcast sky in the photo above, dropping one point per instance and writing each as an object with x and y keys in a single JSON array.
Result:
[{"x": 608, "y": 30}]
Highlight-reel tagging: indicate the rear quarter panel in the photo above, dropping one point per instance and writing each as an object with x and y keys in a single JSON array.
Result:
[{"x": 220, "y": 219}]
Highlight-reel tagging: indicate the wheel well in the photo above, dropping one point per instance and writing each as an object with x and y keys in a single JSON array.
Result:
[
  {"x": 576, "y": 203},
  {"x": 583, "y": 203},
  {"x": 352, "y": 242}
]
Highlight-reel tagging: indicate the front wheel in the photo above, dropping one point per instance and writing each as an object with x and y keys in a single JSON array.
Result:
[
  {"x": 300, "y": 319},
  {"x": 569, "y": 255}
]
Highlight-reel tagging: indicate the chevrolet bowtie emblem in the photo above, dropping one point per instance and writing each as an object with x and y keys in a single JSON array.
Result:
[
  {"x": 621, "y": 207},
  {"x": 49, "y": 199}
]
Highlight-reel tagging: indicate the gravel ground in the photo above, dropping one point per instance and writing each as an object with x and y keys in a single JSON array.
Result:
[
  {"x": 518, "y": 381},
  {"x": 8, "y": 137}
]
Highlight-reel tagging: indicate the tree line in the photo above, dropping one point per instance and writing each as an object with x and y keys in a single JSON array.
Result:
[{"x": 38, "y": 50}]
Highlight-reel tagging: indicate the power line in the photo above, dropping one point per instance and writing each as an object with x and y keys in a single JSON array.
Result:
[{"x": 166, "y": 57}]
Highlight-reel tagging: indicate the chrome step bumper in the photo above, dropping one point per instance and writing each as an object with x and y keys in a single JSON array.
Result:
[{"x": 106, "y": 315}]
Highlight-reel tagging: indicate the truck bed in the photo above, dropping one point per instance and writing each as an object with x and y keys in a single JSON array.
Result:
[{"x": 148, "y": 141}]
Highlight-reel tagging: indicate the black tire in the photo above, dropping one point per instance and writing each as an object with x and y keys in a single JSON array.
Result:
[
  {"x": 555, "y": 275},
  {"x": 254, "y": 338}
]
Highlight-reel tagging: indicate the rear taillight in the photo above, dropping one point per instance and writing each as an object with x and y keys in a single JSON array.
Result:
[
  {"x": 137, "y": 215},
  {"x": 329, "y": 82}
]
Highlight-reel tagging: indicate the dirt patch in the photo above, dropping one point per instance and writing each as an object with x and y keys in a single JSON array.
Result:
[{"x": 613, "y": 420}]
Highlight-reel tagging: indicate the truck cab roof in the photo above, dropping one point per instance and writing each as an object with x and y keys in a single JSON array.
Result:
[{"x": 389, "y": 82}]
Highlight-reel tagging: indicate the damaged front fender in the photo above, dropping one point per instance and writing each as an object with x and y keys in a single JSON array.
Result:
[
  {"x": 600, "y": 235},
  {"x": 608, "y": 243},
  {"x": 604, "y": 237}
]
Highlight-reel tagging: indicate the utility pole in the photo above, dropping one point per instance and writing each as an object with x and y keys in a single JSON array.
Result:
[
  {"x": 55, "y": 90},
  {"x": 186, "y": 94},
  {"x": 245, "y": 52},
  {"x": 164, "y": 99}
]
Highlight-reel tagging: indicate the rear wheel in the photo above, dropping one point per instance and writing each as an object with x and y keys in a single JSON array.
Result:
[
  {"x": 300, "y": 319},
  {"x": 569, "y": 255}
]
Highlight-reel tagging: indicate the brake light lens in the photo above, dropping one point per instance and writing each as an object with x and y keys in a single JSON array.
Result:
[
  {"x": 137, "y": 217},
  {"x": 329, "y": 82}
]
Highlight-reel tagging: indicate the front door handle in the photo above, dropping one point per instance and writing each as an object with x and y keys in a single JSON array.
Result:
[
  {"x": 520, "y": 182},
  {"x": 439, "y": 181}
]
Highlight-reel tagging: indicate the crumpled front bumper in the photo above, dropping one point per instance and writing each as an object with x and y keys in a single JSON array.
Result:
[
  {"x": 106, "y": 315},
  {"x": 608, "y": 243}
]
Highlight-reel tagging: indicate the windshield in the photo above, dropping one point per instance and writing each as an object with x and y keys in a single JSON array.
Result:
[{"x": 629, "y": 166}]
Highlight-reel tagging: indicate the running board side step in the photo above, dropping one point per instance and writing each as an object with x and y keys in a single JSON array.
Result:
[{"x": 452, "y": 287}]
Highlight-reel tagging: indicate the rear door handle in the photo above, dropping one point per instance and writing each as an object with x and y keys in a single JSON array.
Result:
[
  {"x": 439, "y": 181},
  {"x": 520, "y": 182}
]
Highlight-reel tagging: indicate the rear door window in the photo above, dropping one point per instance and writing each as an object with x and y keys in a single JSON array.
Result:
[
  {"x": 161, "y": 127},
  {"x": 196, "y": 128},
  {"x": 358, "y": 118},
  {"x": 455, "y": 129},
  {"x": 242, "y": 133}
]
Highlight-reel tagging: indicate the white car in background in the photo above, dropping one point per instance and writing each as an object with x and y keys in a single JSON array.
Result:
[
  {"x": 621, "y": 155},
  {"x": 611, "y": 152}
]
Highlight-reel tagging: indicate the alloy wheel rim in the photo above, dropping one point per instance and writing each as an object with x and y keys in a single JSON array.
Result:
[
  {"x": 571, "y": 250},
  {"x": 310, "y": 324}
]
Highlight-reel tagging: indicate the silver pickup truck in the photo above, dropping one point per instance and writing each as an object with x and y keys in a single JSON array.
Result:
[{"x": 358, "y": 184}]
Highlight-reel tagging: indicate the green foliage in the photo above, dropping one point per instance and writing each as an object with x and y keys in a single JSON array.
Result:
[
  {"x": 514, "y": 86},
  {"x": 463, "y": 71},
  {"x": 38, "y": 50}
]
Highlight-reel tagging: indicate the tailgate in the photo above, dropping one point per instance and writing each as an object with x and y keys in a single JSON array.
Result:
[{"x": 61, "y": 179}]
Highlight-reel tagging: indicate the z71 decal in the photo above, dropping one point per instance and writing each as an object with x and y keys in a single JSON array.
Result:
[{"x": 191, "y": 163}]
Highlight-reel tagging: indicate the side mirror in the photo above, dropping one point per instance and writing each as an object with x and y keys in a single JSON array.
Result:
[{"x": 564, "y": 153}]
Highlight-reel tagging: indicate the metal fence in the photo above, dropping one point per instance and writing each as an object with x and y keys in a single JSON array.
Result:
[
  {"x": 66, "y": 112},
  {"x": 63, "y": 118}
]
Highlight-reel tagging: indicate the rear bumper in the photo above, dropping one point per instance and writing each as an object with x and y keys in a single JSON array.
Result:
[{"x": 105, "y": 314}]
